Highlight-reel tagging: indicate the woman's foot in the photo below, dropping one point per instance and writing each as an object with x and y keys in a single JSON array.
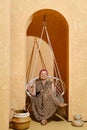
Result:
[
  {"x": 63, "y": 104},
  {"x": 43, "y": 122}
]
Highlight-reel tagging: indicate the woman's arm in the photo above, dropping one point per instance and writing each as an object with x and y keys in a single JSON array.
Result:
[{"x": 32, "y": 90}]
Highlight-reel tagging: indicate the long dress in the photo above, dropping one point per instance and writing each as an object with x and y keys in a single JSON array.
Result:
[{"x": 45, "y": 103}]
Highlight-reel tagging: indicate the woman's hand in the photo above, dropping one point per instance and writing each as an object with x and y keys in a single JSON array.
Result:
[
  {"x": 28, "y": 88},
  {"x": 31, "y": 90}
]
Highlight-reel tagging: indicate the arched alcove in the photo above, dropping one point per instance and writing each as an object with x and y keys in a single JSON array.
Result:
[{"x": 59, "y": 34}]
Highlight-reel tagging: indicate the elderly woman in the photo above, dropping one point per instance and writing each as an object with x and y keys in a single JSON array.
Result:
[{"x": 43, "y": 98}]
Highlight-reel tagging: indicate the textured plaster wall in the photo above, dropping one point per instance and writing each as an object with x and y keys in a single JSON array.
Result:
[
  {"x": 75, "y": 13},
  {"x": 78, "y": 59},
  {"x": 4, "y": 63}
]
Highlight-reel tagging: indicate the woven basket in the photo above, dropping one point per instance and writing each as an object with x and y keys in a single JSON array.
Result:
[{"x": 21, "y": 120}]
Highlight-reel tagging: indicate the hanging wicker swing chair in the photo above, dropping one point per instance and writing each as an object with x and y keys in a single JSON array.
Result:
[{"x": 58, "y": 83}]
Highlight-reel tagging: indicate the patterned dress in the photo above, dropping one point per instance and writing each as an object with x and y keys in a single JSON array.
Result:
[{"x": 45, "y": 103}]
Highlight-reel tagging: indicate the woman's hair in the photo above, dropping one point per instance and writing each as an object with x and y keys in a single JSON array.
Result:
[{"x": 43, "y": 70}]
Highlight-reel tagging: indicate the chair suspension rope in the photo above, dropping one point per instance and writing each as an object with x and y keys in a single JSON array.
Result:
[{"x": 29, "y": 64}]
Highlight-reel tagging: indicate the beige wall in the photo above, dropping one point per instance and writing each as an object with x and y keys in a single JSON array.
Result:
[
  {"x": 4, "y": 63},
  {"x": 78, "y": 59},
  {"x": 75, "y": 13}
]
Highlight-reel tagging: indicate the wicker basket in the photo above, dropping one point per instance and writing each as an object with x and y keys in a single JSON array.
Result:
[{"x": 21, "y": 120}]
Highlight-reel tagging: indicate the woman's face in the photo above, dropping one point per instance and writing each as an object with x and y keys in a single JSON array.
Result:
[{"x": 43, "y": 75}]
